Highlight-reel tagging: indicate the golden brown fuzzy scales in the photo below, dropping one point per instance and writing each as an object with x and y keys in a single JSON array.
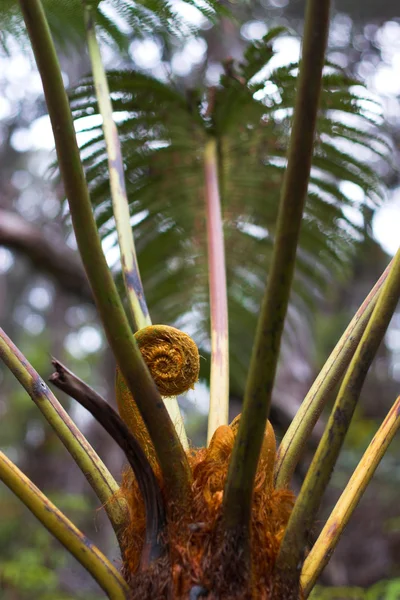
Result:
[
  {"x": 172, "y": 357},
  {"x": 199, "y": 553},
  {"x": 174, "y": 363}
]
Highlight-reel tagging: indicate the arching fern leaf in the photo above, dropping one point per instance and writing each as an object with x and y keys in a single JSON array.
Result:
[
  {"x": 117, "y": 20},
  {"x": 163, "y": 133}
]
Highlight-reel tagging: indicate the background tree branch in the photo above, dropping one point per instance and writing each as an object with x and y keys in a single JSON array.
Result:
[{"x": 48, "y": 252}]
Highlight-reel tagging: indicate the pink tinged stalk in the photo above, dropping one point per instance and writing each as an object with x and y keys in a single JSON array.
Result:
[{"x": 219, "y": 378}]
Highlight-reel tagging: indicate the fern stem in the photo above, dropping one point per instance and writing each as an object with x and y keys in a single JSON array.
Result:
[
  {"x": 174, "y": 412},
  {"x": 264, "y": 359},
  {"x": 295, "y": 438},
  {"x": 101, "y": 481},
  {"x": 292, "y": 550},
  {"x": 171, "y": 456},
  {"x": 130, "y": 268},
  {"x": 155, "y": 544},
  {"x": 219, "y": 377},
  {"x": 61, "y": 528},
  {"x": 347, "y": 503}
]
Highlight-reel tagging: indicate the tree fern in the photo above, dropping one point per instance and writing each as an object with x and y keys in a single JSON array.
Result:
[{"x": 214, "y": 521}]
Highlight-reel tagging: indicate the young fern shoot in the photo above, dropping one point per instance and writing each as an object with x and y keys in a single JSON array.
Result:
[{"x": 219, "y": 377}]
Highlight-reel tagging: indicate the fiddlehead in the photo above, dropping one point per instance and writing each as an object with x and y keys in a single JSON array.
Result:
[
  {"x": 173, "y": 361},
  {"x": 171, "y": 356}
]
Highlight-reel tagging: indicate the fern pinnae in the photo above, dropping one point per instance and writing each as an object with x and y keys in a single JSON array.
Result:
[{"x": 65, "y": 18}]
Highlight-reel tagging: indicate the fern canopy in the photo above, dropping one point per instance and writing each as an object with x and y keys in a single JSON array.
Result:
[
  {"x": 163, "y": 133},
  {"x": 117, "y": 20}
]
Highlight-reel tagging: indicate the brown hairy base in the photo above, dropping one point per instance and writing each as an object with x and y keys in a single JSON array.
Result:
[
  {"x": 204, "y": 561},
  {"x": 155, "y": 582}
]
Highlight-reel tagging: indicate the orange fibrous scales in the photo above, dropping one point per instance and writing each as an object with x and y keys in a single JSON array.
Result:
[
  {"x": 172, "y": 357},
  {"x": 193, "y": 536},
  {"x": 173, "y": 360}
]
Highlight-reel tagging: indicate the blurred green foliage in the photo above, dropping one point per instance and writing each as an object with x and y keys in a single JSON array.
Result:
[
  {"x": 33, "y": 564},
  {"x": 384, "y": 590}
]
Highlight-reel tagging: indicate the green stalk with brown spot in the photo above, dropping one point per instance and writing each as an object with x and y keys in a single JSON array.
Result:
[
  {"x": 294, "y": 543},
  {"x": 170, "y": 454},
  {"x": 61, "y": 528},
  {"x": 130, "y": 268},
  {"x": 348, "y": 501},
  {"x": 219, "y": 376},
  {"x": 239, "y": 487},
  {"x": 299, "y": 431},
  {"x": 97, "y": 474}
]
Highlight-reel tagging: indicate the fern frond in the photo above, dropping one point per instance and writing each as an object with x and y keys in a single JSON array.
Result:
[
  {"x": 117, "y": 20},
  {"x": 163, "y": 134}
]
